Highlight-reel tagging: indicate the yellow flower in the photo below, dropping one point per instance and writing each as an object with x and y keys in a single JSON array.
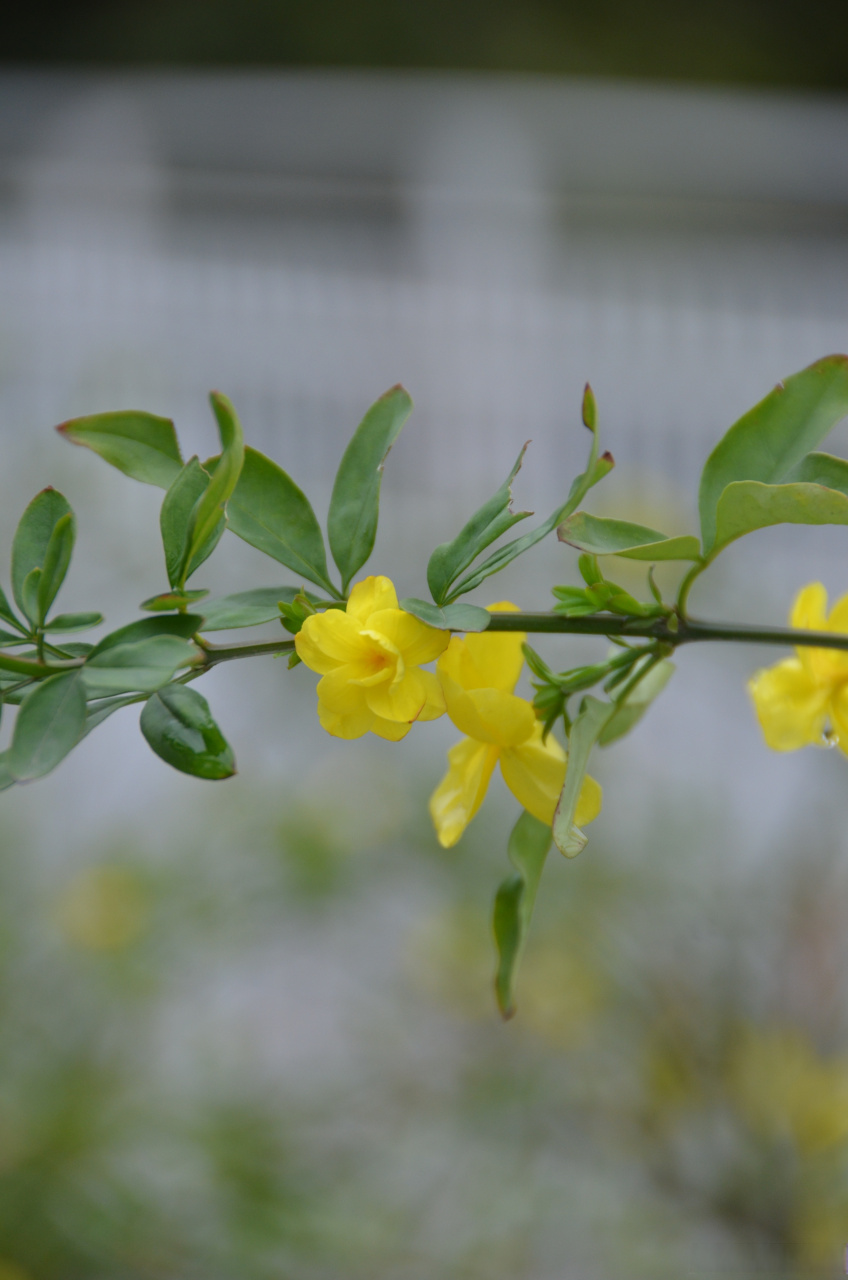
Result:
[
  {"x": 478, "y": 675},
  {"x": 800, "y": 698},
  {"x": 370, "y": 659}
]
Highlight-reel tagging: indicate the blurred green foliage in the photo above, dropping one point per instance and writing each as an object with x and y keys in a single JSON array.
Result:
[{"x": 769, "y": 42}]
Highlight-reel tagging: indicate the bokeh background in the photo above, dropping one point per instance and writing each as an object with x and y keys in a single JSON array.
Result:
[{"x": 247, "y": 1028}]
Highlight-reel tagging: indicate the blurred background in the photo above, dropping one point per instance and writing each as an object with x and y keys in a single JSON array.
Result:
[{"x": 248, "y": 1028}]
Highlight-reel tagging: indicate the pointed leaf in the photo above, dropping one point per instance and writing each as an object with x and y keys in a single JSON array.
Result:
[
  {"x": 74, "y": 621},
  {"x": 823, "y": 469},
  {"x": 451, "y": 559},
  {"x": 769, "y": 441},
  {"x": 528, "y": 848},
  {"x": 596, "y": 469},
  {"x": 270, "y": 512},
  {"x": 248, "y": 608},
  {"x": 212, "y": 505},
  {"x": 176, "y": 524},
  {"x": 139, "y": 444},
  {"x": 141, "y": 656},
  {"x": 32, "y": 538},
  {"x": 48, "y": 726},
  {"x": 453, "y": 617},
  {"x": 179, "y": 727},
  {"x": 747, "y": 505},
  {"x": 585, "y": 732},
  {"x": 167, "y": 601},
  {"x": 355, "y": 502},
  {"x": 57, "y": 558},
  {"x": 630, "y": 712},
  {"x": 602, "y": 537},
  {"x": 7, "y": 613}
]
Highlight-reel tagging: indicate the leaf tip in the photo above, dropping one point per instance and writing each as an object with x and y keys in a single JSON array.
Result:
[
  {"x": 589, "y": 410},
  {"x": 607, "y": 457}
]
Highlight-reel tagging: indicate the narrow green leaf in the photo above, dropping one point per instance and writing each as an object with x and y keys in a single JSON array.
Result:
[
  {"x": 179, "y": 727},
  {"x": 823, "y": 469},
  {"x": 29, "y": 594},
  {"x": 585, "y": 732},
  {"x": 48, "y": 726},
  {"x": 57, "y": 559},
  {"x": 602, "y": 537},
  {"x": 453, "y": 617},
  {"x": 271, "y": 513},
  {"x": 12, "y": 637},
  {"x": 451, "y": 559},
  {"x": 596, "y": 469},
  {"x": 176, "y": 524},
  {"x": 212, "y": 504},
  {"x": 101, "y": 709},
  {"x": 630, "y": 712},
  {"x": 747, "y": 505},
  {"x": 7, "y": 613},
  {"x": 32, "y": 538},
  {"x": 166, "y": 601},
  {"x": 249, "y": 608},
  {"x": 141, "y": 666},
  {"x": 179, "y": 624},
  {"x": 139, "y": 444},
  {"x": 769, "y": 441},
  {"x": 355, "y": 502},
  {"x": 528, "y": 848},
  {"x": 74, "y": 621}
]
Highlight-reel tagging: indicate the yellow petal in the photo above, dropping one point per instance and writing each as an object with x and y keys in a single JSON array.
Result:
[
  {"x": 839, "y": 716},
  {"x": 838, "y": 620},
  {"x": 497, "y": 656},
  {"x": 345, "y": 724},
  {"x": 328, "y": 639},
  {"x": 460, "y": 793},
  {"x": 435, "y": 703},
  {"x": 489, "y": 715},
  {"x": 341, "y": 693},
  {"x": 535, "y": 773},
  {"x": 810, "y": 608},
  {"x": 369, "y": 596},
  {"x": 404, "y": 699},
  {"x": 791, "y": 706},
  {"x": 417, "y": 642},
  {"x": 391, "y": 730}
]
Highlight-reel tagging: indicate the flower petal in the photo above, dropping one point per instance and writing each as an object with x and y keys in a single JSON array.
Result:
[
  {"x": 391, "y": 730},
  {"x": 535, "y": 773},
  {"x": 791, "y": 706},
  {"x": 401, "y": 700},
  {"x": 345, "y": 724},
  {"x": 810, "y": 608},
  {"x": 489, "y": 715},
  {"x": 435, "y": 704},
  {"x": 460, "y": 793},
  {"x": 497, "y": 656},
  {"x": 370, "y": 596},
  {"x": 417, "y": 642},
  {"x": 328, "y": 639}
]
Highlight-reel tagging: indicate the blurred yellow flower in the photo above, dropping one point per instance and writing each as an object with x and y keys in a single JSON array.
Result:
[
  {"x": 801, "y": 698},
  {"x": 370, "y": 657},
  {"x": 478, "y": 675},
  {"x": 103, "y": 909}
]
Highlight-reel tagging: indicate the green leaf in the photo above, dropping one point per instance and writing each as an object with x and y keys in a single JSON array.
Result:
[
  {"x": 747, "y": 505},
  {"x": 32, "y": 539},
  {"x": 270, "y": 512},
  {"x": 141, "y": 656},
  {"x": 139, "y": 444},
  {"x": 48, "y": 726},
  {"x": 178, "y": 725},
  {"x": 8, "y": 614},
  {"x": 770, "y": 441},
  {"x": 823, "y": 469},
  {"x": 212, "y": 505},
  {"x": 176, "y": 521},
  {"x": 57, "y": 558},
  {"x": 101, "y": 709},
  {"x": 451, "y": 559},
  {"x": 585, "y": 732},
  {"x": 602, "y": 537},
  {"x": 6, "y": 779},
  {"x": 453, "y": 617},
  {"x": 596, "y": 469},
  {"x": 355, "y": 502},
  {"x": 168, "y": 600},
  {"x": 12, "y": 637},
  {"x": 74, "y": 621},
  {"x": 630, "y": 712},
  {"x": 528, "y": 848},
  {"x": 248, "y": 608}
]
